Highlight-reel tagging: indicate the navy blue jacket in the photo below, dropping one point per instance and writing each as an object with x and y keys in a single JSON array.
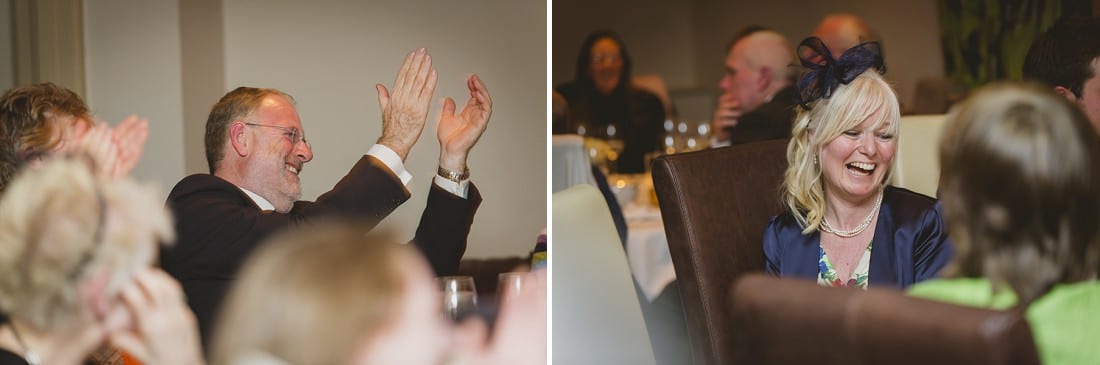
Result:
[{"x": 910, "y": 243}]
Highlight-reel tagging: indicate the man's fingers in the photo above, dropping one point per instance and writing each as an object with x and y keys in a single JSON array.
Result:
[
  {"x": 136, "y": 300},
  {"x": 383, "y": 96},
  {"x": 724, "y": 122},
  {"x": 448, "y": 107},
  {"x": 429, "y": 88},
  {"x": 410, "y": 75},
  {"x": 422, "y": 73},
  {"x": 478, "y": 90},
  {"x": 399, "y": 81}
]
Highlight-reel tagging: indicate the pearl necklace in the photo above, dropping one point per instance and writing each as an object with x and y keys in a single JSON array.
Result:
[{"x": 826, "y": 227}]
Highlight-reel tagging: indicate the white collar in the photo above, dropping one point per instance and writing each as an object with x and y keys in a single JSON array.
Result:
[{"x": 259, "y": 200}]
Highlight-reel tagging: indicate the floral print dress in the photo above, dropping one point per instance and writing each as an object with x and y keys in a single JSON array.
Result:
[{"x": 827, "y": 275}]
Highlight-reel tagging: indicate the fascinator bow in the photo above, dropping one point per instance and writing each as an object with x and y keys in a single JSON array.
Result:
[{"x": 826, "y": 73}]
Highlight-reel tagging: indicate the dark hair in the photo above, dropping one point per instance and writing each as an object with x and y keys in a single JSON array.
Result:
[
  {"x": 745, "y": 32},
  {"x": 235, "y": 105},
  {"x": 25, "y": 130},
  {"x": 1062, "y": 56},
  {"x": 1020, "y": 185},
  {"x": 581, "y": 76}
]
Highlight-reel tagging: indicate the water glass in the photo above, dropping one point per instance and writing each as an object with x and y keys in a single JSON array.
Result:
[
  {"x": 508, "y": 286},
  {"x": 459, "y": 296}
]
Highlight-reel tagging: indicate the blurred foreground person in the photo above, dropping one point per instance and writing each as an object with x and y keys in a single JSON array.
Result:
[
  {"x": 1021, "y": 192},
  {"x": 374, "y": 301},
  {"x": 40, "y": 120},
  {"x": 75, "y": 256}
]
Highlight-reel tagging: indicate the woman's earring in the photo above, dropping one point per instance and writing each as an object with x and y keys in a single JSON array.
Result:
[{"x": 815, "y": 160}]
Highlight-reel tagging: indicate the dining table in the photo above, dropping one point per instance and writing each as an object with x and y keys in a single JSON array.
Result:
[{"x": 646, "y": 244}]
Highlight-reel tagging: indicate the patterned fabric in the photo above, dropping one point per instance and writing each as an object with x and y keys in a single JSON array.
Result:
[{"x": 828, "y": 275}]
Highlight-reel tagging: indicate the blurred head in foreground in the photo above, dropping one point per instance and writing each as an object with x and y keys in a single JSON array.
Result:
[
  {"x": 374, "y": 301},
  {"x": 1021, "y": 189}
]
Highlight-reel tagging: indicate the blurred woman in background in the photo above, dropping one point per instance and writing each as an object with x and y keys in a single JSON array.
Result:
[{"x": 603, "y": 103}]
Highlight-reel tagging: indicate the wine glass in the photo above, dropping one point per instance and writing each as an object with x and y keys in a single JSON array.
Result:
[
  {"x": 459, "y": 296},
  {"x": 508, "y": 286},
  {"x": 616, "y": 146}
]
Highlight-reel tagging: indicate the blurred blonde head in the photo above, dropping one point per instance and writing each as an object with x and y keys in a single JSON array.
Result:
[
  {"x": 1020, "y": 186},
  {"x": 332, "y": 280},
  {"x": 63, "y": 230},
  {"x": 826, "y": 119}
]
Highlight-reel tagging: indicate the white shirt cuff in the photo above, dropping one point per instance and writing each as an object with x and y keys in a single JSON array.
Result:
[
  {"x": 456, "y": 188},
  {"x": 714, "y": 143},
  {"x": 391, "y": 160}
]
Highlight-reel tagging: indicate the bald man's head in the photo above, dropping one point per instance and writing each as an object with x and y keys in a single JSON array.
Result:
[
  {"x": 843, "y": 31},
  {"x": 758, "y": 66}
]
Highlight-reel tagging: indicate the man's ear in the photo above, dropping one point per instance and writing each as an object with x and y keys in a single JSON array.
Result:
[
  {"x": 1066, "y": 93},
  {"x": 765, "y": 78},
  {"x": 238, "y": 138}
]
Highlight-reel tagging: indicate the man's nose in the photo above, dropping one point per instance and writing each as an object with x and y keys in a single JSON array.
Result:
[{"x": 304, "y": 151}]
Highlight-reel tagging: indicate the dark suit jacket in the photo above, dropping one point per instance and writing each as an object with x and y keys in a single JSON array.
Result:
[
  {"x": 910, "y": 243},
  {"x": 219, "y": 226},
  {"x": 772, "y": 120}
]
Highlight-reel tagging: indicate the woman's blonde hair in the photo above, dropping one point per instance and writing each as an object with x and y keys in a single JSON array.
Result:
[
  {"x": 848, "y": 106},
  {"x": 331, "y": 280},
  {"x": 1020, "y": 186},
  {"x": 60, "y": 223}
]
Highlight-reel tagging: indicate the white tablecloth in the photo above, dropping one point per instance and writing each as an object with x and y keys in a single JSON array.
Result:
[
  {"x": 646, "y": 244},
  {"x": 647, "y": 250}
]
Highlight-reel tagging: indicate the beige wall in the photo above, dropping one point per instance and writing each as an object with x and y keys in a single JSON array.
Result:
[
  {"x": 7, "y": 66},
  {"x": 329, "y": 54},
  {"x": 695, "y": 33},
  {"x": 656, "y": 32},
  {"x": 132, "y": 66}
]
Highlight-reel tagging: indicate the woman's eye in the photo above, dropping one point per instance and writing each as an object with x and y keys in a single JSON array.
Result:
[
  {"x": 886, "y": 136},
  {"x": 851, "y": 133}
]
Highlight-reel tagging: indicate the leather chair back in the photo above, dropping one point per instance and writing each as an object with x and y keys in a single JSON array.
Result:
[
  {"x": 715, "y": 205},
  {"x": 785, "y": 321}
]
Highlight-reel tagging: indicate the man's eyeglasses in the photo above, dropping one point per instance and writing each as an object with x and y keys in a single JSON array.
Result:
[{"x": 291, "y": 133}]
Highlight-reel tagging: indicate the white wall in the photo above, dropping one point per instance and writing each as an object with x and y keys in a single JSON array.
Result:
[
  {"x": 132, "y": 66},
  {"x": 329, "y": 55}
]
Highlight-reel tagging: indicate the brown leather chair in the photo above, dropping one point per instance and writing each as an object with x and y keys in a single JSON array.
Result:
[
  {"x": 715, "y": 205},
  {"x": 785, "y": 321}
]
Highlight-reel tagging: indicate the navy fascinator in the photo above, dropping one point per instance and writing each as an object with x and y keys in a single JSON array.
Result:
[{"x": 825, "y": 73}]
